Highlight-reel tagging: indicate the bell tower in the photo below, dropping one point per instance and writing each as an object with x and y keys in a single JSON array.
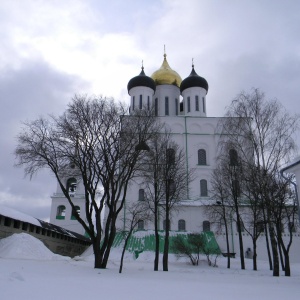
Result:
[{"x": 61, "y": 211}]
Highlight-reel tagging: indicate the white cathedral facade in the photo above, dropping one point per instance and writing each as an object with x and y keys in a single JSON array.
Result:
[{"x": 181, "y": 106}]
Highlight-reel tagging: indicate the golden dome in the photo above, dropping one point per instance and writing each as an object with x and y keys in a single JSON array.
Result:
[{"x": 165, "y": 75}]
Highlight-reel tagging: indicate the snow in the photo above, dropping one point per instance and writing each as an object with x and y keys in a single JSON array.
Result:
[
  {"x": 25, "y": 246},
  {"x": 14, "y": 214},
  {"x": 32, "y": 273}
]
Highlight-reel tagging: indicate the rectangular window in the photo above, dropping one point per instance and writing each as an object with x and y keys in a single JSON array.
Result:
[
  {"x": 156, "y": 106},
  {"x": 141, "y": 101},
  {"x": 166, "y": 106},
  {"x": 7, "y": 221},
  {"x": 203, "y": 103},
  {"x": 176, "y": 107},
  {"x": 148, "y": 103},
  {"x": 17, "y": 224},
  {"x": 25, "y": 226},
  {"x": 188, "y": 104},
  {"x": 133, "y": 100},
  {"x": 141, "y": 195},
  {"x": 197, "y": 103}
]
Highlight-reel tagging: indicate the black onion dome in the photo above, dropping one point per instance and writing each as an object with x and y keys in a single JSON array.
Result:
[
  {"x": 141, "y": 80},
  {"x": 193, "y": 80}
]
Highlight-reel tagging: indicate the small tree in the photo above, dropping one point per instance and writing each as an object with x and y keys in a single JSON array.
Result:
[
  {"x": 135, "y": 213},
  {"x": 191, "y": 246}
]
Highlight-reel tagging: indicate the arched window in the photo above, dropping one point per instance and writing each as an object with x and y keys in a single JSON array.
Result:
[
  {"x": 203, "y": 188},
  {"x": 166, "y": 106},
  {"x": 165, "y": 225},
  {"x": 148, "y": 103},
  {"x": 156, "y": 107},
  {"x": 141, "y": 195},
  {"x": 206, "y": 226},
  {"x": 170, "y": 156},
  {"x": 236, "y": 190},
  {"x": 171, "y": 187},
  {"x": 176, "y": 107},
  {"x": 197, "y": 103},
  {"x": 181, "y": 225},
  {"x": 71, "y": 186},
  {"x": 133, "y": 102},
  {"x": 188, "y": 104},
  {"x": 233, "y": 157},
  {"x": 141, "y": 225},
  {"x": 61, "y": 212},
  {"x": 203, "y": 104},
  {"x": 201, "y": 157},
  {"x": 141, "y": 101},
  {"x": 77, "y": 208}
]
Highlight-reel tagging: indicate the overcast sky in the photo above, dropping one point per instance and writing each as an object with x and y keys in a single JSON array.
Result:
[{"x": 51, "y": 50}]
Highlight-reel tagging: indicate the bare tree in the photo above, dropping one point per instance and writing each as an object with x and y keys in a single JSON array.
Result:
[
  {"x": 221, "y": 211},
  {"x": 135, "y": 214},
  {"x": 88, "y": 141},
  {"x": 261, "y": 132},
  {"x": 227, "y": 187},
  {"x": 284, "y": 211},
  {"x": 253, "y": 221},
  {"x": 166, "y": 180}
]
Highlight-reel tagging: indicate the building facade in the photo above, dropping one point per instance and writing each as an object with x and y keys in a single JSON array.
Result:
[{"x": 181, "y": 107}]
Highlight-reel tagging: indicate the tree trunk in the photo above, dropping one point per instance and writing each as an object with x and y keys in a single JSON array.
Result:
[
  {"x": 239, "y": 228},
  {"x": 287, "y": 267},
  {"x": 241, "y": 251},
  {"x": 287, "y": 271},
  {"x": 97, "y": 253},
  {"x": 274, "y": 251},
  {"x": 281, "y": 257},
  {"x": 111, "y": 238},
  {"x": 268, "y": 249},
  {"x": 227, "y": 244},
  {"x": 124, "y": 249},
  {"x": 156, "y": 259},
  {"x": 254, "y": 255},
  {"x": 166, "y": 246}
]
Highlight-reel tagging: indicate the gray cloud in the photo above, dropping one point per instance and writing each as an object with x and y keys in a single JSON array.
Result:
[
  {"x": 59, "y": 48},
  {"x": 27, "y": 93}
]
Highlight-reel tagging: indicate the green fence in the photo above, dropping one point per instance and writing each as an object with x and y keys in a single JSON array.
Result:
[{"x": 145, "y": 241}]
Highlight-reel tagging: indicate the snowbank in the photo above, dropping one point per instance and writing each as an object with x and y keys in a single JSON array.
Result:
[{"x": 25, "y": 246}]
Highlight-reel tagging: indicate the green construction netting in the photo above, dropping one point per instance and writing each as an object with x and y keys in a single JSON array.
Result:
[{"x": 145, "y": 241}]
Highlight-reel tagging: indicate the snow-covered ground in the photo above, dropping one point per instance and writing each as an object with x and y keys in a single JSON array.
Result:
[{"x": 30, "y": 271}]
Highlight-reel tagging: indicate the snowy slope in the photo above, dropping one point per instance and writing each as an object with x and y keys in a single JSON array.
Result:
[{"x": 22, "y": 277}]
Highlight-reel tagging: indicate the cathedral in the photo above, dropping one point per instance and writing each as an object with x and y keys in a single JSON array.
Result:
[{"x": 181, "y": 106}]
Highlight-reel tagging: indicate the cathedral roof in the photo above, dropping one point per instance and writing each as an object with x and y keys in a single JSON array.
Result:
[
  {"x": 141, "y": 80},
  {"x": 193, "y": 80},
  {"x": 165, "y": 75}
]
